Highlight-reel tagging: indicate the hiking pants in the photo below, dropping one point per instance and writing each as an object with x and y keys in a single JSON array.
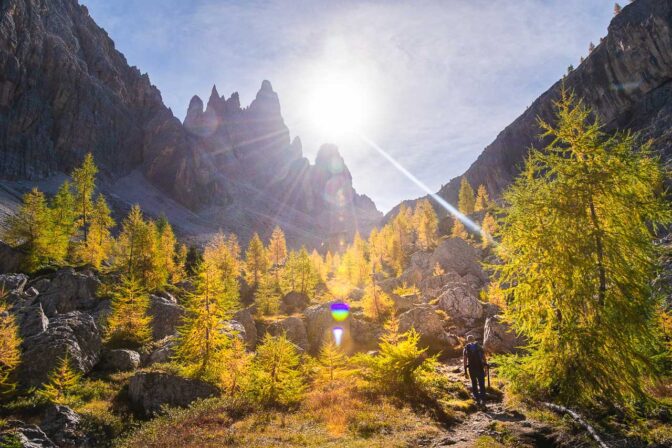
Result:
[{"x": 477, "y": 383}]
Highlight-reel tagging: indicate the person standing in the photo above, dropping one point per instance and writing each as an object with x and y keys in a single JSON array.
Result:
[{"x": 474, "y": 368}]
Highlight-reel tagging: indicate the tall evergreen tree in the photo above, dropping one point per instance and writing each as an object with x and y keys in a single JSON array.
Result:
[
  {"x": 267, "y": 297},
  {"x": 277, "y": 251},
  {"x": 202, "y": 342},
  {"x": 488, "y": 229},
  {"x": 331, "y": 358},
  {"x": 84, "y": 179},
  {"x": 376, "y": 304},
  {"x": 482, "y": 199},
  {"x": 61, "y": 224},
  {"x": 459, "y": 231},
  {"x": 426, "y": 224},
  {"x": 256, "y": 261},
  {"x": 99, "y": 243},
  {"x": 29, "y": 227},
  {"x": 10, "y": 346},
  {"x": 129, "y": 325},
  {"x": 579, "y": 260},
  {"x": 466, "y": 200},
  {"x": 62, "y": 380}
]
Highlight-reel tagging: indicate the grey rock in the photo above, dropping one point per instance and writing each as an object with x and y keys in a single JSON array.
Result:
[
  {"x": 320, "y": 325},
  {"x": 166, "y": 316},
  {"x": 293, "y": 328},
  {"x": 29, "y": 436},
  {"x": 120, "y": 360},
  {"x": 149, "y": 391},
  {"x": 164, "y": 351},
  {"x": 460, "y": 305},
  {"x": 32, "y": 321},
  {"x": 63, "y": 426},
  {"x": 68, "y": 290},
  {"x": 244, "y": 317},
  {"x": 74, "y": 332},
  {"x": 13, "y": 282},
  {"x": 294, "y": 302},
  {"x": 499, "y": 338},
  {"x": 431, "y": 329}
]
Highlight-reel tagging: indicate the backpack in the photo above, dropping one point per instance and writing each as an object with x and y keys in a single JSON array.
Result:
[{"x": 474, "y": 354}]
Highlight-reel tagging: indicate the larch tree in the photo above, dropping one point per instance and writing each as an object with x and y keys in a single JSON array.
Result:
[
  {"x": 62, "y": 224},
  {"x": 166, "y": 245},
  {"x": 488, "y": 229},
  {"x": 10, "y": 346},
  {"x": 29, "y": 227},
  {"x": 99, "y": 242},
  {"x": 426, "y": 225},
  {"x": 466, "y": 200},
  {"x": 331, "y": 359},
  {"x": 129, "y": 325},
  {"x": 318, "y": 266},
  {"x": 84, "y": 179},
  {"x": 137, "y": 253},
  {"x": 277, "y": 251},
  {"x": 276, "y": 377},
  {"x": 482, "y": 199},
  {"x": 459, "y": 231},
  {"x": 235, "y": 367},
  {"x": 578, "y": 263},
  {"x": 267, "y": 297},
  {"x": 202, "y": 341},
  {"x": 376, "y": 303},
  {"x": 256, "y": 261},
  {"x": 62, "y": 380}
]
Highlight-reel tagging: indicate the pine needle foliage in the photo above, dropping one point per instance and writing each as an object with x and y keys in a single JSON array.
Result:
[
  {"x": 376, "y": 303},
  {"x": 332, "y": 359},
  {"x": 29, "y": 228},
  {"x": 62, "y": 381},
  {"x": 10, "y": 346},
  {"x": 256, "y": 261},
  {"x": 97, "y": 247},
  {"x": 276, "y": 378},
  {"x": 482, "y": 199},
  {"x": 84, "y": 179},
  {"x": 466, "y": 200},
  {"x": 129, "y": 325},
  {"x": 202, "y": 341},
  {"x": 578, "y": 261}
]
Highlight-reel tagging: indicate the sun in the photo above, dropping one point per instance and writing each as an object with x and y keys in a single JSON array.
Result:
[{"x": 338, "y": 106}]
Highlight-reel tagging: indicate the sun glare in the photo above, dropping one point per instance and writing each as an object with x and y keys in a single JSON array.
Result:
[{"x": 338, "y": 106}]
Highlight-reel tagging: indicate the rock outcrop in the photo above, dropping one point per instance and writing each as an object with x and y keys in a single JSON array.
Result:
[
  {"x": 431, "y": 329},
  {"x": 63, "y": 426},
  {"x": 499, "y": 338},
  {"x": 627, "y": 79},
  {"x": 166, "y": 316},
  {"x": 65, "y": 91},
  {"x": 149, "y": 391},
  {"x": 29, "y": 436},
  {"x": 293, "y": 328},
  {"x": 120, "y": 360},
  {"x": 75, "y": 333}
]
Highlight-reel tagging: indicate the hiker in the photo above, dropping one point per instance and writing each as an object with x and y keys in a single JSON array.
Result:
[{"x": 474, "y": 368}]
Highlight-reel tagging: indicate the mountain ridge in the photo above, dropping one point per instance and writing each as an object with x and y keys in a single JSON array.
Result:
[{"x": 65, "y": 90}]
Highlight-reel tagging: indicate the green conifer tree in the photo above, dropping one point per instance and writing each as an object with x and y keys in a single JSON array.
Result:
[
  {"x": 10, "y": 346},
  {"x": 99, "y": 242},
  {"x": 129, "y": 325},
  {"x": 62, "y": 224},
  {"x": 332, "y": 359},
  {"x": 62, "y": 380},
  {"x": 84, "y": 179},
  {"x": 579, "y": 260},
  {"x": 466, "y": 200},
  {"x": 29, "y": 228},
  {"x": 256, "y": 261}
]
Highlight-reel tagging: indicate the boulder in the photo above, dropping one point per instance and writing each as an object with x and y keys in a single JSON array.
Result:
[
  {"x": 28, "y": 436},
  {"x": 499, "y": 338},
  {"x": 320, "y": 323},
  {"x": 430, "y": 326},
  {"x": 13, "y": 282},
  {"x": 294, "y": 328},
  {"x": 32, "y": 320},
  {"x": 405, "y": 302},
  {"x": 120, "y": 360},
  {"x": 294, "y": 302},
  {"x": 463, "y": 308},
  {"x": 68, "y": 290},
  {"x": 166, "y": 316},
  {"x": 365, "y": 334},
  {"x": 63, "y": 426},
  {"x": 10, "y": 259},
  {"x": 149, "y": 391},
  {"x": 75, "y": 333},
  {"x": 244, "y": 317},
  {"x": 164, "y": 351}
]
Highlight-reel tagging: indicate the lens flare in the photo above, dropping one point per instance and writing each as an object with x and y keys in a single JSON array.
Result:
[
  {"x": 340, "y": 311},
  {"x": 338, "y": 335}
]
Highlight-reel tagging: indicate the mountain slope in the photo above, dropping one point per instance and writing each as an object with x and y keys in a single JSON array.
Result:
[
  {"x": 626, "y": 79},
  {"x": 65, "y": 91}
]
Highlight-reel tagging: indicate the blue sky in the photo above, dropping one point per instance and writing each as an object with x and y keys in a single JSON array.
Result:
[{"x": 441, "y": 77}]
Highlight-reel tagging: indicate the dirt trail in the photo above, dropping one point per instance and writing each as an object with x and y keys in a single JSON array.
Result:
[{"x": 495, "y": 421}]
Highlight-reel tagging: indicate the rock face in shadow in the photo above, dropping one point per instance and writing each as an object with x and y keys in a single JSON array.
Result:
[
  {"x": 149, "y": 391},
  {"x": 626, "y": 79},
  {"x": 65, "y": 91}
]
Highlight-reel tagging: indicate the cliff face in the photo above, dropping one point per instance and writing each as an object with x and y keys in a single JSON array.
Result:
[
  {"x": 65, "y": 91},
  {"x": 626, "y": 79}
]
